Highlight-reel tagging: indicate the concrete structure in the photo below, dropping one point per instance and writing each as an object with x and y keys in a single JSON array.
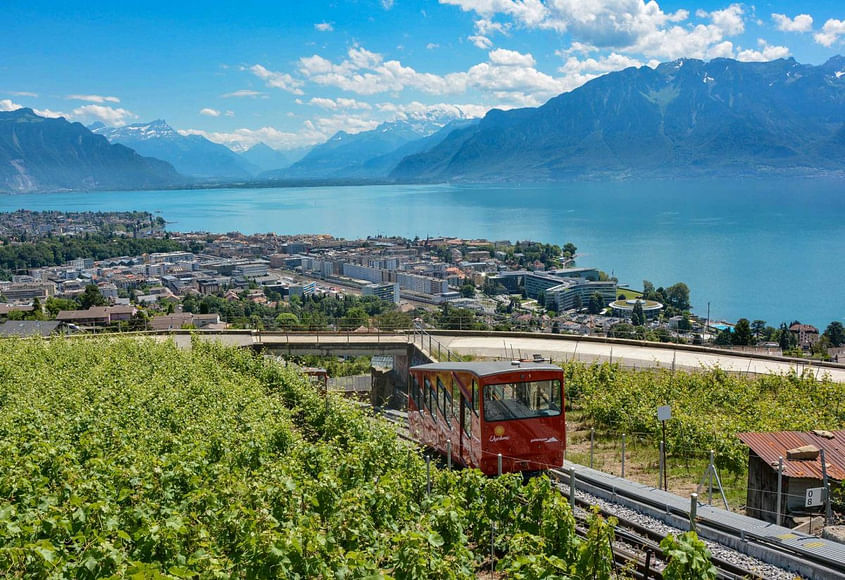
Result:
[
  {"x": 625, "y": 308},
  {"x": 26, "y": 292},
  {"x": 386, "y": 292}
]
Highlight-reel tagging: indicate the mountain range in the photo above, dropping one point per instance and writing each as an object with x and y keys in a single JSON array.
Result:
[
  {"x": 43, "y": 154},
  {"x": 368, "y": 154},
  {"x": 680, "y": 118},
  {"x": 686, "y": 117},
  {"x": 191, "y": 155}
]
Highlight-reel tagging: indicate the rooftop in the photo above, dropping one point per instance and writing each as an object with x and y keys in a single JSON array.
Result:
[
  {"x": 484, "y": 369},
  {"x": 770, "y": 446}
]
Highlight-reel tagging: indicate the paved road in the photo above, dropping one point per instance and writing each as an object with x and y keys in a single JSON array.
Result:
[
  {"x": 628, "y": 355},
  {"x": 496, "y": 347}
]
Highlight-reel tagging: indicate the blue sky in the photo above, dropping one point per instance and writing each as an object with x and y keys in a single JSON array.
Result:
[{"x": 292, "y": 73}]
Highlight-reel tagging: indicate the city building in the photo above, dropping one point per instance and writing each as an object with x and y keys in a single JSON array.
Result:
[
  {"x": 386, "y": 292},
  {"x": 625, "y": 308}
]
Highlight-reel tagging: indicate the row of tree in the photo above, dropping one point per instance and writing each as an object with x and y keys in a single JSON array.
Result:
[
  {"x": 749, "y": 333},
  {"x": 60, "y": 250}
]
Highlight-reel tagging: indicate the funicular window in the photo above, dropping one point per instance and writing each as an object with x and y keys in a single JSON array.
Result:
[
  {"x": 431, "y": 396},
  {"x": 524, "y": 400},
  {"x": 475, "y": 402},
  {"x": 466, "y": 416},
  {"x": 445, "y": 402},
  {"x": 415, "y": 392}
]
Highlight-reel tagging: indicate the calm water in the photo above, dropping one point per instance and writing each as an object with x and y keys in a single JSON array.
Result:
[{"x": 773, "y": 250}]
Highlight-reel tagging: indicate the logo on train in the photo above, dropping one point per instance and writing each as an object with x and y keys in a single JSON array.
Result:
[{"x": 498, "y": 434}]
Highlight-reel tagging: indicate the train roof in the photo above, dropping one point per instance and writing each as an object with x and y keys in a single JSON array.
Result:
[{"x": 484, "y": 369}]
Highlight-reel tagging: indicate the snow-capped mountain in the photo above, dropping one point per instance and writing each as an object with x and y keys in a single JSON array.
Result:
[{"x": 192, "y": 155}]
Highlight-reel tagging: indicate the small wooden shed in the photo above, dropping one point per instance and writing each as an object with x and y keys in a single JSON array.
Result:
[{"x": 802, "y": 469}]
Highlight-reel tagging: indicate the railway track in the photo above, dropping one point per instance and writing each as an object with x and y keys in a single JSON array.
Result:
[{"x": 635, "y": 543}]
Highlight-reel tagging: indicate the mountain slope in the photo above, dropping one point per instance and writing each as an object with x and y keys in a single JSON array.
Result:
[
  {"x": 192, "y": 155},
  {"x": 685, "y": 116},
  {"x": 368, "y": 154},
  {"x": 42, "y": 154},
  {"x": 265, "y": 158}
]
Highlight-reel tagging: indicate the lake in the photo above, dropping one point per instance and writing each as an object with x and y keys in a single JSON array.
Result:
[{"x": 755, "y": 248}]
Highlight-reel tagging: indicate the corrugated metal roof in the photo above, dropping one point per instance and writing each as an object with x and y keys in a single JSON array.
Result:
[{"x": 770, "y": 446}]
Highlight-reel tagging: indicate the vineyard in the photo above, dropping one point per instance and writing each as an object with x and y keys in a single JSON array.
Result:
[
  {"x": 708, "y": 407},
  {"x": 130, "y": 458}
]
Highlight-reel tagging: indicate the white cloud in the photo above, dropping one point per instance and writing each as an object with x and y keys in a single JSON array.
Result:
[
  {"x": 93, "y": 98},
  {"x": 438, "y": 113},
  {"x": 277, "y": 80},
  {"x": 432, "y": 45},
  {"x": 387, "y": 4},
  {"x": 765, "y": 54},
  {"x": 229, "y": 113},
  {"x": 577, "y": 72},
  {"x": 312, "y": 132},
  {"x": 729, "y": 20},
  {"x": 509, "y": 76},
  {"x": 243, "y": 93},
  {"x": 631, "y": 26},
  {"x": 505, "y": 57},
  {"x": 528, "y": 12},
  {"x": 801, "y": 23},
  {"x": 210, "y": 112},
  {"x": 830, "y": 32},
  {"x": 23, "y": 94},
  {"x": 481, "y": 42},
  {"x": 9, "y": 105},
  {"x": 324, "y": 27},
  {"x": 108, "y": 115},
  {"x": 339, "y": 103},
  {"x": 367, "y": 73}
]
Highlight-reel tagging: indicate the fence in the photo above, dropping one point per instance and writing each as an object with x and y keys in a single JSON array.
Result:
[{"x": 637, "y": 457}]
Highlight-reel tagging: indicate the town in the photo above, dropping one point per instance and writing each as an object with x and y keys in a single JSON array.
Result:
[{"x": 278, "y": 282}]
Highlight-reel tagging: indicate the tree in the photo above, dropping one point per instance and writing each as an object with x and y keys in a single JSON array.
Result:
[
  {"x": 578, "y": 304},
  {"x": 287, "y": 320},
  {"x": 758, "y": 327},
  {"x": 394, "y": 319},
  {"x": 54, "y": 305},
  {"x": 596, "y": 304},
  {"x": 724, "y": 337},
  {"x": 648, "y": 290},
  {"x": 678, "y": 296},
  {"x": 637, "y": 315},
  {"x": 541, "y": 298},
  {"x": 835, "y": 333},
  {"x": 468, "y": 290},
  {"x": 355, "y": 318},
  {"x": 556, "y": 327},
  {"x": 91, "y": 297},
  {"x": 785, "y": 338},
  {"x": 742, "y": 333},
  {"x": 569, "y": 250},
  {"x": 684, "y": 323}
]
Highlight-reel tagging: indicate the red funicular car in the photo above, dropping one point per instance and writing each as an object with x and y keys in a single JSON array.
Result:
[{"x": 483, "y": 409}]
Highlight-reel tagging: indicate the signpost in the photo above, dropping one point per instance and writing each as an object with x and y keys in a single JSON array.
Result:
[
  {"x": 664, "y": 413},
  {"x": 814, "y": 497}
]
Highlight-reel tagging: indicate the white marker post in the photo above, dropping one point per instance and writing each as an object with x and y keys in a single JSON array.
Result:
[{"x": 664, "y": 413}]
